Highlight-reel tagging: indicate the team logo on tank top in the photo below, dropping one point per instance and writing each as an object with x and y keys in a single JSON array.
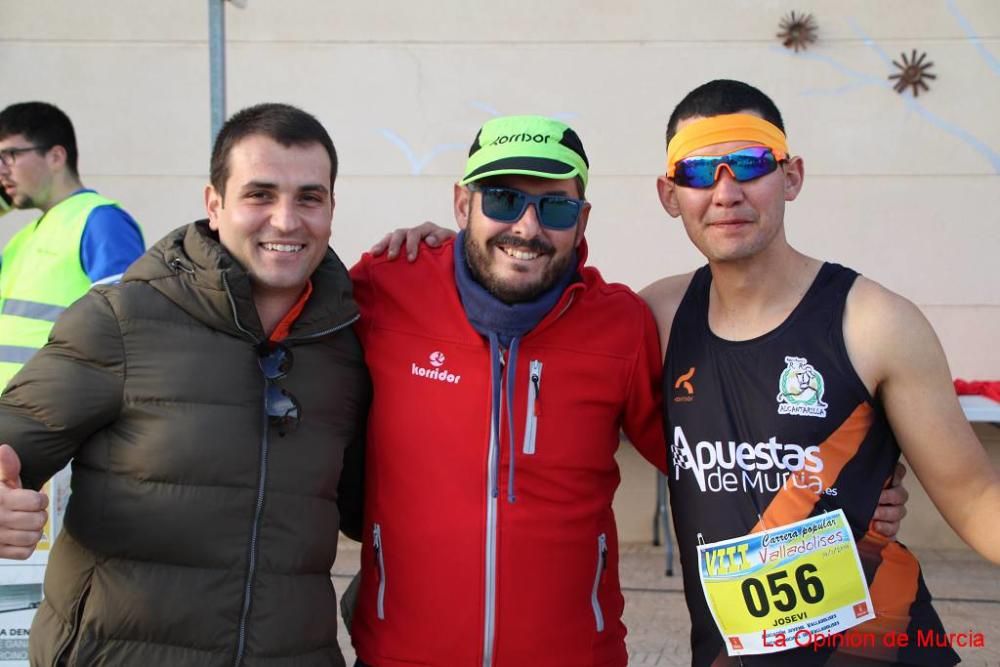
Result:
[{"x": 800, "y": 389}]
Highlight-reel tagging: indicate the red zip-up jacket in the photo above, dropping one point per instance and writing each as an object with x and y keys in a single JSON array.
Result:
[{"x": 454, "y": 574}]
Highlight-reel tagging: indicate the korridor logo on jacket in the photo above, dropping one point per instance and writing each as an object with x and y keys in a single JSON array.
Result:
[{"x": 437, "y": 373}]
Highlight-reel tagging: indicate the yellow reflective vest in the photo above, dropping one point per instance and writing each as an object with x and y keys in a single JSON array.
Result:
[{"x": 40, "y": 276}]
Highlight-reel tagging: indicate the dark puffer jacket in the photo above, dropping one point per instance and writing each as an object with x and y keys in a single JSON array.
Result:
[{"x": 195, "y": 533}]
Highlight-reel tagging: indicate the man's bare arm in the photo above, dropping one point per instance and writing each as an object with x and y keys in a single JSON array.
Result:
[
  {"x": 897, "y": 354},
  {"x": 664, "y": 297}
]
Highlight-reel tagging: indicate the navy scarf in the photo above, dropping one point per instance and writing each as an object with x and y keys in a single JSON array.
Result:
[
  {"x": 488, "y": 314},
  {"x": 503, "y": 324}
]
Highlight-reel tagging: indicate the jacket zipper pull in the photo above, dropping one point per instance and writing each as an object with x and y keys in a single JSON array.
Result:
[
  {"x": 603, "y": 539},
  {"x": 177, "y": 263},
  {"x": 538, "y": 394}
]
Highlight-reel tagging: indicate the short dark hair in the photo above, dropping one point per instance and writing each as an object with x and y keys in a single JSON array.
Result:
[
  {"x": 43, "y": 124},
  {"x": 283, "y": 123},
  {"x": 723, "y": 96}
]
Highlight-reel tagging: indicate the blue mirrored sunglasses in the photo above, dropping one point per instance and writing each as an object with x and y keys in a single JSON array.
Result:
[
  {"x": 746, "y": 164},
  {"x": 508, "y": 205}
]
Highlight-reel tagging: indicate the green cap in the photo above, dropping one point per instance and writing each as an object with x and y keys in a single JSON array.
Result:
[{"x": 528, "y": 145}]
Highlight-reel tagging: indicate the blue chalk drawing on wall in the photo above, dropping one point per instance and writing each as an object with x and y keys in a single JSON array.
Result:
[
  {"x": 990, "y": 59},
  {"x": 418, "y": 162},
  {"x": 483, "y": 106},
  {"x": 861, "y": 80}
]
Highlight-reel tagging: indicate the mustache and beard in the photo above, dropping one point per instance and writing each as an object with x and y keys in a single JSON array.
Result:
[{"x": 480, "y": 261}]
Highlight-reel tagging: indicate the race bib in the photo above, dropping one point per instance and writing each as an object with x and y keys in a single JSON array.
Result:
[{"x": 781, "y": 588}]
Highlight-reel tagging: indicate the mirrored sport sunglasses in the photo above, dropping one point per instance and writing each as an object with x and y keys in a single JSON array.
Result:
[
  {"x": 283, "y": 409},
  {"x": 508, "y": 205},
  {"x": 746, "y": 164}
]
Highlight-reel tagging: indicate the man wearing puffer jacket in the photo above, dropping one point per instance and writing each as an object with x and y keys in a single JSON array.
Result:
[{"x": 213, "y": 406}]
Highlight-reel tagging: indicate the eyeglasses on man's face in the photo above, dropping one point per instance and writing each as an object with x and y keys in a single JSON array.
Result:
[{"x": 8, "y": 156}]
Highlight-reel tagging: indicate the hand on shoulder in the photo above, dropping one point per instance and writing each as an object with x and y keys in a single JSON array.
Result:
[{"x": 409, "y": 239}]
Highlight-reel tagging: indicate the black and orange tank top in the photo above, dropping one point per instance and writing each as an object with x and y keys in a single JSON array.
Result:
[{"x": 776, "y": 429}]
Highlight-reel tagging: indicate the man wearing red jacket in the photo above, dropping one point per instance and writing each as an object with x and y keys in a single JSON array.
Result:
[{"x": 504, "y": 369}]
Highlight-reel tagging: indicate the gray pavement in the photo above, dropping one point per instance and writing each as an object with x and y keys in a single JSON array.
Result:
[{"x": 966, "y": 589}]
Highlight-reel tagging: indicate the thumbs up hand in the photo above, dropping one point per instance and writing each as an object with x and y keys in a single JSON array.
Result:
[{"x": 22, "y": 511}]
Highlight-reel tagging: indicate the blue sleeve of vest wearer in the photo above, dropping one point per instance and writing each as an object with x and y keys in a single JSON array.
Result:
[{"x": 111, "y": 242}]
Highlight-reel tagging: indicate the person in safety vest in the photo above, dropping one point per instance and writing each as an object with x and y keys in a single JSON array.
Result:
[{"x": 81, "y": 239}]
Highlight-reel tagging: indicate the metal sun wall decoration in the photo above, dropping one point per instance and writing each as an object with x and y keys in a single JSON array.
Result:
[
  {"x": 912, "y": 73},
  {"x": 797, "y": 31}
]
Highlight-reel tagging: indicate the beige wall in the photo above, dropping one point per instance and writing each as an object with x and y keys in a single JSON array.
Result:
[{"x": 905, "y": 190}]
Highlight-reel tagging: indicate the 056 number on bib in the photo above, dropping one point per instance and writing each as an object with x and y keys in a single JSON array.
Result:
[{"x": 774, "y": 590}]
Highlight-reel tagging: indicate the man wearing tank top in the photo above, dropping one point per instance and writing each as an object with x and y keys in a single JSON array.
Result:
[{"x": 791, "y": 385}]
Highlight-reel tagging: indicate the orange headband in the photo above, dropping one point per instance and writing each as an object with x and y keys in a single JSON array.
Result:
[{"x": 720, "y": 129}]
